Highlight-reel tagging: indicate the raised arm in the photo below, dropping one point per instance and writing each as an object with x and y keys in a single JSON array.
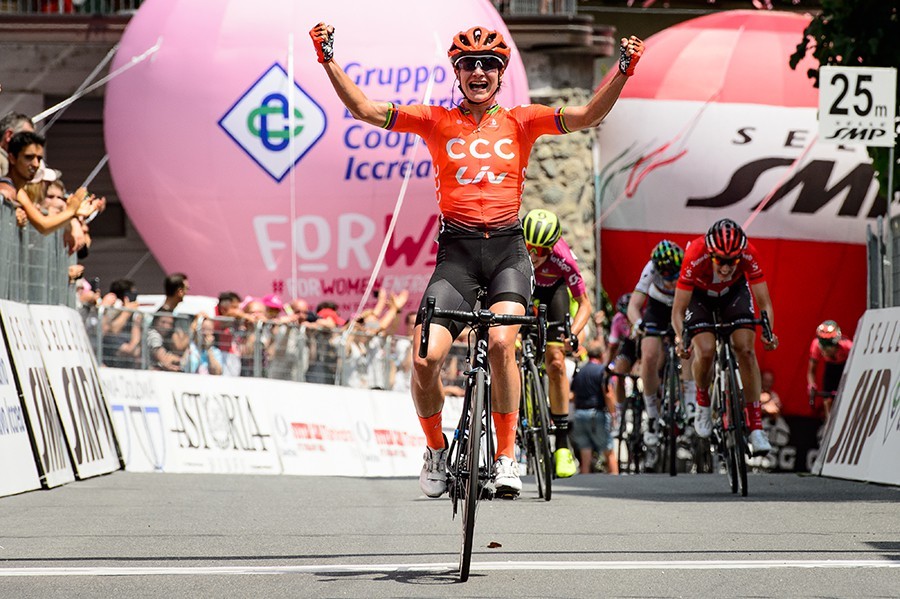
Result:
[
  {"x": 360, "y": 106},
  {"x": 591, "y": 114}
]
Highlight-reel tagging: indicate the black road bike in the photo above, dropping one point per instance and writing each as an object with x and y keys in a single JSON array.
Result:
[
  {"x": 671, "y": 411},
  {"x": 730, "y": 430},
  {"x": 471, "y": 451}
]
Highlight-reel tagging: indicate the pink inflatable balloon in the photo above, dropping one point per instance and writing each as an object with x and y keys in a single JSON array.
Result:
[{"x": 203, "y": 158}]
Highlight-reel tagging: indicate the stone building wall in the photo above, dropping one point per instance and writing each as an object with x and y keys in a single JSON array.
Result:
[{"x": 560, "y": 178}]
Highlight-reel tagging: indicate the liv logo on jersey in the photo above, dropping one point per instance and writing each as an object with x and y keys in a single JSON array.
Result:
[{"x": 259, "y": 122}]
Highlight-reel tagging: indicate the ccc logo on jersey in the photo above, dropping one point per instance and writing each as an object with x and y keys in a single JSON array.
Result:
[{"x": 481, "y": 149}]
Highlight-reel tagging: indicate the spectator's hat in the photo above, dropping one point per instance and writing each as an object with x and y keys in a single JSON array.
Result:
[
  {"x": 329, "y": 313},
  {"x": 45, "y": 173},
  {"x": 273, "y": 301}
]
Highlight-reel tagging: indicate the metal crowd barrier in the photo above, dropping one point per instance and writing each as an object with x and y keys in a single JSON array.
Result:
[
  {"x": 34, "y": 268},
  {"x": 69, "y": 7},
  {"x": 285, "y": 351}
]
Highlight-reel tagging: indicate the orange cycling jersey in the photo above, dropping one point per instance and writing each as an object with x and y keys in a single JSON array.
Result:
[{"x": 479, "y": 168}]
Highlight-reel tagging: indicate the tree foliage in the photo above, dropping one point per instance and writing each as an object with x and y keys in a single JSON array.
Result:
[{"x": 855, "y": 33}]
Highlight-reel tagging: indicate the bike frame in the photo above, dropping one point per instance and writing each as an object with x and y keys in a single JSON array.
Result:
[{"x": 472, "y": 448}]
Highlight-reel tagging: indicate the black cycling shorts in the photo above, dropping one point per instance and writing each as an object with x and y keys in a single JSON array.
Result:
[
  {"x": 657, "y": 317},
  {"x": 469, "y": 261},
  {"x": 628, "y": 349},
  {"x": 831, "y": 377},
  {"x": 736, "y": 303},
  {"x": 556, "y": 298}
]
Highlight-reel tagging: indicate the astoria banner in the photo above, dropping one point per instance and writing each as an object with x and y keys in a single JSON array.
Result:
[{"x": 863, "y": 439}]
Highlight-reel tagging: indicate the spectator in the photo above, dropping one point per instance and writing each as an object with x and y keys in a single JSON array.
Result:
[
  {"x": 250, "y": 331},
  {"x": 121, "y": 325},
  {"x": 166, "y": 343},
  {"x": 402, "y": 355},
  {"x": 592, "y": 424},
  {"x": 203, "y": 356},
  {"x": 227, "y": 315},
  {"x": 12, "y": 123},
  {"x": 768, "y": 398},
  {"x": 323, "y": 345},
  {"x": 274, "y": 306},
  {"x": 26, "y": 150}
]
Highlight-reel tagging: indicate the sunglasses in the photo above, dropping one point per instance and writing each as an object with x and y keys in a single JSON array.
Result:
[
  {"x": 537, "y": 250},
  {"x": 725, "y": 261},
  {"x": 669, "y": 276},
  {"x": 485, "y": 63}
]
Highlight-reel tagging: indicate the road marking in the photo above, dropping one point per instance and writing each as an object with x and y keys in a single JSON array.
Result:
[{"x": 443, "y": 567}]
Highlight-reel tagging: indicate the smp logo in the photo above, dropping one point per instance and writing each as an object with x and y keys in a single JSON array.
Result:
[
  {"x": 260, "y": 123},
  {"x": 862, "y": 416}
]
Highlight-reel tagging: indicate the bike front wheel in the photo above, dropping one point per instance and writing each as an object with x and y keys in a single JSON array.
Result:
[{"x": 469, "y": 483}]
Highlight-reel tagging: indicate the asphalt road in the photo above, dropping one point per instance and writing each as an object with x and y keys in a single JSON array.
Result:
[{"x": 169, "y": 535}]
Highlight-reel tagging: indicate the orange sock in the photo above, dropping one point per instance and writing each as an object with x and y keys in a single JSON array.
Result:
[
  {"x": 505, "y": 428},
  {"x": 432, "y": 427}
]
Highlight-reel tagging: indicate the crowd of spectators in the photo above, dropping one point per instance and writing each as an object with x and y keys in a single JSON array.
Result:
[
  {"x": 37, "y": 191},
  {"x": 253, "y": 336}
]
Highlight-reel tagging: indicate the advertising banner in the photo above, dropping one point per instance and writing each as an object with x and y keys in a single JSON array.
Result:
[
  {"x": 325, "y": 430},
  {"x": 72, "y": 372},
  {"x": 172, "y": 422},
  {"x": 863, "y": 441},
  {"x": 18, "y": 471},
  {"x": 40, "y": 407}
]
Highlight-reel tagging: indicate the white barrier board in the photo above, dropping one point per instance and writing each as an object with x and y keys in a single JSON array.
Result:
[
  {"x": 172, "y": 422},
  {"x": 72, "y": 372},
  {"x": 18, "y": 471},
  {"x": 329, "y": 430},
  {"x": 863, "y": 441},
  {"x": 40, "y": 406}
]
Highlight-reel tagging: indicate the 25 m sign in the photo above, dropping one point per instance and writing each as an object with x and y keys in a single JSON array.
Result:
[{"x": 858, "y": 105}]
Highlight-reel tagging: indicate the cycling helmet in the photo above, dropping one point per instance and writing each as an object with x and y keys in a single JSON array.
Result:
[
  {"x": 622, "y": 303},
  {"x": 542, "y": 228},
  {"x": 725, "y": 239},
  {"x": 667, "y": 257},
  {"x": 478, "y": 41},
  {"x": 828, "y": 333}
]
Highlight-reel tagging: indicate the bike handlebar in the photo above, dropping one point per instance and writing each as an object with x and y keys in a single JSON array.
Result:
[
  {"x": 724, "y": 328},
  {"x": 477, "y": 318},
  {"x": 566, "y": 324}
]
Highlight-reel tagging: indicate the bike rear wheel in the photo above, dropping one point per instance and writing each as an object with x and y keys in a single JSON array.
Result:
[
  {"x": 543, "y": 467},
  {"x": 469, "y": 485}
]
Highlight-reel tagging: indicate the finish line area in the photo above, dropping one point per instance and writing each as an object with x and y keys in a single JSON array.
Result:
[{"x": 174, "y": 535}]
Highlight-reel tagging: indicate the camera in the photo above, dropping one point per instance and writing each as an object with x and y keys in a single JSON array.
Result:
[{"x": 95, "y": 284}]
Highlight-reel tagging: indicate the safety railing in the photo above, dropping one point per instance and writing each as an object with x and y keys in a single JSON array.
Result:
[
  {"x": 34, "y": 268},
  {"x": 291, "y": 351},
  {"x": 69, "y": 7},
  {"x": 536, "y": 7}
]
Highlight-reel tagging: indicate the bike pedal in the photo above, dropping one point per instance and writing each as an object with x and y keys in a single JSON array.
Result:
[
  {"x": 506, "y": 493},
  {"x": 488, "y": 491}
]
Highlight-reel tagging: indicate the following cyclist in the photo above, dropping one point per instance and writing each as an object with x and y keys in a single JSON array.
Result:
[
  {"x": 656, "y": 288},
  {"x": 556, "y": 274},
  {"x": 833, "y": 349},
  {"x": 717, "y": 275},
  {"x": 480, "y": 151},
  {"x": 622, "y": 351}
]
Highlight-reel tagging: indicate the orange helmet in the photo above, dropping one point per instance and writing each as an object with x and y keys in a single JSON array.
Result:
[
  {"x": 478, "y": 41},
  {"x": 828, "y": 333}
]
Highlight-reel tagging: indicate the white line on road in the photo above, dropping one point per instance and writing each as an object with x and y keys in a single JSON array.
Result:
[{"x": 442, "y": 567}]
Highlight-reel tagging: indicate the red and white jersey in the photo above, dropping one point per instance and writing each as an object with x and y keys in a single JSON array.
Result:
[
  {"x": 479, "y": 168},
  {"x": 839, "y": 357},
  {"x": 698, "y": 271}
]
